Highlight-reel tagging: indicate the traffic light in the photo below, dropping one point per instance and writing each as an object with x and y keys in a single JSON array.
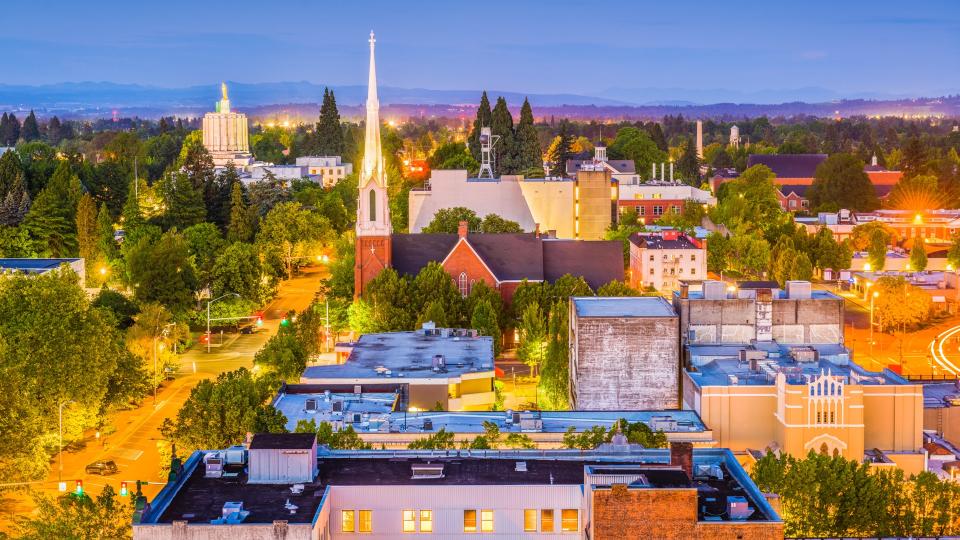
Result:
[
  {"x": 284, "y": 321},
  {"x": 259, "y": 319},
  {"x": 123, "y": 489},
  {"x": 79, "y": 489}
]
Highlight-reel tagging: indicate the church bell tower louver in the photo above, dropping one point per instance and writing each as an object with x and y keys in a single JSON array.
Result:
[{"x": 373, "y": 208}]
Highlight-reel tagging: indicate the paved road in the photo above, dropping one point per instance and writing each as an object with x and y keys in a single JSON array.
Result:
[{"x": 133, "y": 444}]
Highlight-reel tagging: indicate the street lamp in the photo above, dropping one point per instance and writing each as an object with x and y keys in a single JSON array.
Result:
[
  {"x": 163, "y": 333},
  {"x": 60, "y": 448},
  {"x": 208, "y": 314},
  {"x": 872, "y": 298}
]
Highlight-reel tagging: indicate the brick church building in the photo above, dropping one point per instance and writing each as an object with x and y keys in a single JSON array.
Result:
[{"x": 500, "y": 260}]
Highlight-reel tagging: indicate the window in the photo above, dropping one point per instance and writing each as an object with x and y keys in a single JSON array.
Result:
[
  {"x": 693, "y": 271},
  {"x": 651, "y": 271},
  {"x": 462, "y": 284},
  {"x": 529, "y": 520},
  {"x": 675, "y": 209},
  {"x": 651, "y": 257},
  {"x": 469, "y": 521},
  {"x": 347, "y": 521},
  {"x": 643, "y": 210},
  {"x": 373, "y": 205},
  {"x": 366, "y": 521},
  {"x": 693, "y": 256},
  {"x": 658, "y": 210},
  {"x": 486, "y": 521},
  {"x": 426, "y": 521},
  {"x": 409, "y": 521},
  {"x": 569, "y": 520},
  {"x": 546, "y": 521}
]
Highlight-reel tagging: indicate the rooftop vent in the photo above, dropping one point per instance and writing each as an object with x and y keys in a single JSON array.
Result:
[
  {"x": 426, "y": 471},
  {"x": 427, "y": 424},
  {"x": 738, "y": 508},
  {"x": 338, "y": 406},
  {"x": 310, "y": 405},
  {"x": 521, "y": 466}
]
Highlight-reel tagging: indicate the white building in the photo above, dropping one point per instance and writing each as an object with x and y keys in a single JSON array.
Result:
[
  {"x": 331, "y": 169},
  {"x": 226, "y": 135},
  {"x": 661, "y": 260}
]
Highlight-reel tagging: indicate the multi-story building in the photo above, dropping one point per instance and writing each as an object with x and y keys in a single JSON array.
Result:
[
  {"x": 663, "y": 259},
  {"x": 618, "y": 492},
  {"x": 226, "y": 135},
  {"x": 938, "y": 225},
  {"x": 653, "y": 199},
  {"x": 330, "y": 169},
  {"x": 451, "y": 368},
  {"x": 378, "y": 416},
  {"x": 623, "y": 354},
  {"x": 766, "y": 369},
  {"x": 623, "y": 171}
]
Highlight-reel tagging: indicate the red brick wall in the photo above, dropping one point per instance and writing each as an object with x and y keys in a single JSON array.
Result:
[
  {"x": 648, "y": 204},
  {"x": 464, "y": 259},
  {"x": 371, "y": 257},
  {"x": 669, "y": 514}
]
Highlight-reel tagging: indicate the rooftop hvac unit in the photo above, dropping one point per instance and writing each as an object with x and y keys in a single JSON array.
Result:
[
  {"x": 310, "y": 406},
  {"x": 338, "y": 406},
  {"x": 427, "y": 424},
  {"x": 738, "y": 508},
  {"x": 516, "y": 418},
  {"x": 356, "y": 418},
  {"x": 509, "y": 417},
  {"x": 521, "y": 466},
  {"x": 426, "y": 471}
]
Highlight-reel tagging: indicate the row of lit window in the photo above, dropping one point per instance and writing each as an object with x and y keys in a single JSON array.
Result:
[
  {"x": 693, "y": 271},
  {"x": 657, "y": 210},
  {"x": 413, "y": 521},
  {"x": 666, "y": 257}
]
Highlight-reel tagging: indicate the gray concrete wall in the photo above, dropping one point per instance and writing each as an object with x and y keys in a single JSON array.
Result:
[
  {"x": 817, "y": 320},
  {"x": 204, "y": 531},
  {"x": 624, "y": 363}
]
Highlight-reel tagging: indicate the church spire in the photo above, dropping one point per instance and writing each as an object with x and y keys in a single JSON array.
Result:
[{"x": 372, "y": 154}]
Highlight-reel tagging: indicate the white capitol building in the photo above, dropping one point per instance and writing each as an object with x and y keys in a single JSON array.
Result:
[{"x": 226, "y": 135}]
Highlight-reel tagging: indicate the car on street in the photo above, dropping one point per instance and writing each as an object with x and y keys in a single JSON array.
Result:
[{"x": 103, "y": 467}]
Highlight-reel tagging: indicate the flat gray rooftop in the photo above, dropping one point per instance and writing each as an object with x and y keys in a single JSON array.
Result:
[
  {"x": 938, "y": 395},
  {"x": 33, "y": 265},
  {"x": 720, "y": 365},
  {"x": 623, "y": 306},
  {"x": 294, "y": 406},
  {"x": 394, "y": 356}
]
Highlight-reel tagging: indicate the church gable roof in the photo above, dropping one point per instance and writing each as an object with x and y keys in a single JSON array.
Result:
[
  {"x": 411, "y": 252},
  {"x": 598, "y": 261},
  {"x": 510, "y": 256}
]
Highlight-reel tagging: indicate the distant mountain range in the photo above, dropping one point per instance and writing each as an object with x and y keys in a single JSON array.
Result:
[{"x": 299, "y": 100}]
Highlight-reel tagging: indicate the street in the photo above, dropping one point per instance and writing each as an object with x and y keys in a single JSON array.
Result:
[{"x": 133, "y": 440}]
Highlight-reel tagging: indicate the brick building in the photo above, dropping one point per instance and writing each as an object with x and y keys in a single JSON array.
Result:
[
  {"x": 661, "y": 260},
  {"x": 624, "y": 354}
]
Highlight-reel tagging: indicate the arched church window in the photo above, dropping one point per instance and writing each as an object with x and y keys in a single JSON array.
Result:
[
  {"x": 373, "y": 205},
  {"x": 463, "y": 285}
]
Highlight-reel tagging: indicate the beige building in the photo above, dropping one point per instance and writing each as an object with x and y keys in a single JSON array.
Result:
[
  {"x": 226, "y": 135},
  {"x": 662, "y": 260},
  {"x": 595, "y": 206},
  {"x": 330, "y": 169}
]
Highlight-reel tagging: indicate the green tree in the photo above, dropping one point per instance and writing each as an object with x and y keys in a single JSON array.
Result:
[
  {"x": 387, "y": 304},
  {"x": 240, "y": 227},
  {"x": 162, "y": 272},
  {"x": 484, "y": 119},
  {"x": 86, "y": 223},
  {"x": 533, "y": 337},
  {"x": 484, "y": 320},
  {"x": 283, "y": 355},
  {"x": 132, "y": 212},
  {"x": 329, "y": 132},
  {"x": 341, "y": 439},
  {"x": 617, "y": 288},
  {"x": 504, "y": 152},
  {"x": 585, "y": 440},
  {"x": 447, "y": 220},
  {"x": 918, "y": 256},
  {"x": 640, "y": 433},
  {"x": 30, "y": 131},
  {"x": 106, "y": 245},
  {"x": 433, "y": 312},
  {"x": 106, "y": 517},
  {"x": 434, "y": 284},
  {"x": 220, "y": 413},
  {"x": 877, "y": 250},
  {"x": 560, "y": 150},
  {"x": 441, "y": 440},
  {"x": 11, "y": 171},
  {"x": 688, "y": 166},
  {"x": 529, "y": 155},
  {"x": 898, "y": 304},
  {"x": 840, "y": 182},
  {"x": 205, "y": 245},
  {"x": 555, "y": 375},
  {"x": 238, "y": 270},
  {"x": 52, "y": 217},
  {"x": 636, "y": 144},
  {"x": 290, "y": 233},
  {"x": 184, "y": 201},
  {"x": 492, "y": 223}
]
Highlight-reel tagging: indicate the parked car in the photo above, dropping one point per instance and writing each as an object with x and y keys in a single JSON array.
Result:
[
  {"x": 103, "y": 468},
  {"x": 248, "y": 329}
]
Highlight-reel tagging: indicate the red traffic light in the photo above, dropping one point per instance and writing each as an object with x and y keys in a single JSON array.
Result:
[{"x": 123, "y": 489}]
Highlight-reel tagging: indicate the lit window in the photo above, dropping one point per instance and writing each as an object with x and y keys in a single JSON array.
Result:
[
  {"x": 426, "y": 521},
  {"x": 651, "y": 257},
  {"x": 486, "y": 521},
  {"x": 409, "y": 521},
  {"x": 643, "y": 210},
  {"x": 546, "y": 521},
  {"x": 651, "y": 271},
  {"x": 469, "y": 521},
  {"x": 693, "y": 256},
  {"x": 569, "y": 520},
  {"x": 373, "y": 205},
  {"x": 347, "y": 521},
  {"x": 366, "y": 521},
  {"x": 463, "y": 285},
  {"x": 529, "y": 520},
  {"x": 693, "y": 271}
]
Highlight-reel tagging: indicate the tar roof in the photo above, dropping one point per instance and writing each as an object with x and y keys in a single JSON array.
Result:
[
  {"x": 408, "y": 355},
  {"x": 598, "y": 261},
  {"x": 788, "y": 165},
  {"x": 283, "y": 441},
  {"x": 625, "y": 306},
  {"x": 294, "y": 406},
  {"x": 657, "y": 241},
  {"x": 621, "y": 166}
]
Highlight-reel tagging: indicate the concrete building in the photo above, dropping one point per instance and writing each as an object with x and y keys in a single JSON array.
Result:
[
  {"x": 595, "y": 207},
  {"x": 226, "y": 135},
  {"x": 449, "y": 367},
  {"x": 796, "y": 398},
  {"x": 662, "y": 260},
  {"x": 380, "y": 419},
  {"x": 623, "y": 354},
  {"x": 284, "y": 173},
  {"x": 330, "y": 169},
  {"x": 39, "y": 266},
  {"x": 622, "y": 493},
  {"x": 653, "y": 199},
  {"x": 941, "y": 410},
  {"x": 623, "y": 171},
  {"x": 758, "y": 311}
]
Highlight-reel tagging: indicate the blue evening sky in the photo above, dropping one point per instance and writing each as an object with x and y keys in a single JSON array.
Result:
[{"x": 591, "y": 47}]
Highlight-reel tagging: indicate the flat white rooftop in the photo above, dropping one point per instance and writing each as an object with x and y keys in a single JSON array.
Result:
[{"x": 625, "y": 306}]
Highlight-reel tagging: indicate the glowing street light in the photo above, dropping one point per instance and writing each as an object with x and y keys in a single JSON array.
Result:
[{"x": 873, "y": 297}]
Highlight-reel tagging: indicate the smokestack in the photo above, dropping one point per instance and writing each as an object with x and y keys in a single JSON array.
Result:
[
  {"x": 700, "y": 139},
  {"x": 663, "y": 174},
  {"x": 671, "y": 170},
  {"x": 653, "y": 174}
]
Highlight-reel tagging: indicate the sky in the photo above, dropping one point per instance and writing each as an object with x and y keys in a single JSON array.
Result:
[{"x": 590, "y": 47}]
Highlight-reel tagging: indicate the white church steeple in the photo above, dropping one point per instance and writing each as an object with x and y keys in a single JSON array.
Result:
[{"x": 373, "y": 210}]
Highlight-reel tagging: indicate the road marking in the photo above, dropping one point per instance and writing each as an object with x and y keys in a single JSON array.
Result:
[{"x": 127, "y": 453}]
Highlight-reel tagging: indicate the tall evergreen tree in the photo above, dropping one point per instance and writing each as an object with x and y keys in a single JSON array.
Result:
[
  {"x": 504, "y": 152},
  {"x": 484, "y": 119},
  {"x": 52, "y": 216},
  {"x": 184, "y": 201},
  {"x": 9, "y": 129},
  {"x": 688, "y": 166},
  {"x": 11, "y": 171},
  {"x": 16, "y": 203},
  {"x": 560, "y": 150},
  {"x": 329, "y": 131},
  {"x": 30, "y": 130},
  {"x": 656, "y": 133},
  {"x": 529, "y": 156},
  {"x": 132, "y": 214},
  {"x": 484, "y": 320},
  {"x": 240, "y": 228},
  {"x": 54, "y": 131},
  {"x": 106, "y": 245},
  {"x": 87, "y": 232}
]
